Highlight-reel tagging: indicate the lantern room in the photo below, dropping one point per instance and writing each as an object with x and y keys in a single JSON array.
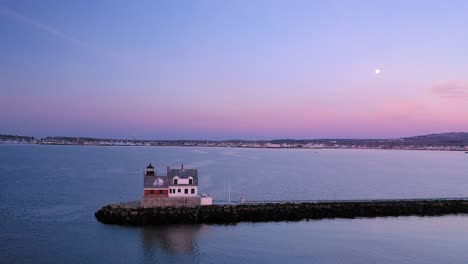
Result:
[{"x": 149, "y": 171}]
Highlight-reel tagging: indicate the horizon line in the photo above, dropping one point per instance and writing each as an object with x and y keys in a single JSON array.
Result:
[{"x": 221, "y": 140}]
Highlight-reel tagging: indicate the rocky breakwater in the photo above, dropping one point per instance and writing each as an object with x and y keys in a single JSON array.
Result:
[{"x": 125, "y": 214}]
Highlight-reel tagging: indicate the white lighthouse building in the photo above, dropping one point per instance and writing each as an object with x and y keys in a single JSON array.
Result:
[{"x": 179, "y": 187}]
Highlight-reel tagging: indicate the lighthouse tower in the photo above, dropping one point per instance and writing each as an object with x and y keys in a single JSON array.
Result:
[{"x": 149, "y": 171}]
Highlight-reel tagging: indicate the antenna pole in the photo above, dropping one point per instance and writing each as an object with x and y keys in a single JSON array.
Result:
[{"x": 229, "y": 189}]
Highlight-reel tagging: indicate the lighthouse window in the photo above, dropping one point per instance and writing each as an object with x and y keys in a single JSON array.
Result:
[
  {"x": 178, "y": 190},
  {"x": 193, "y": 191},
  {"x": 186, "y": 191}
]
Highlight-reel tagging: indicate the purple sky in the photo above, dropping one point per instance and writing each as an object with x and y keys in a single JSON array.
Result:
[{"x": 233, "y": 69}]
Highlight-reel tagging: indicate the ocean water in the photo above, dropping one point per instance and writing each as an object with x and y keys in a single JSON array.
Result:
[{"x": 48, "y": 196}]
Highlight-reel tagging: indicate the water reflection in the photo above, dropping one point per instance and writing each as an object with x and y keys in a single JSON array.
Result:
[{"x": 160, "y": 242}]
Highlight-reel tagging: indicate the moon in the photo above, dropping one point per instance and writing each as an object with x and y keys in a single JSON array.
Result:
[{"x": 377, "y": 71}]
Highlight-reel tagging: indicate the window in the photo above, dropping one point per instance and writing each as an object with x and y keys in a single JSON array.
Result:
[
  {"x": 186, "y": 191},
  {"x": 175, "y": 181},
  {"x": 178, "y": 190},
  {"x": 151, "y": 192},
  {"x": 190, "y": 181},
  {"x": 160, "y": 191},
  {"x": 193, "y": 191}
]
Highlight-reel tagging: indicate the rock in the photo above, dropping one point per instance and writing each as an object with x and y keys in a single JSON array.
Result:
[{"x": 224, "y": 214}]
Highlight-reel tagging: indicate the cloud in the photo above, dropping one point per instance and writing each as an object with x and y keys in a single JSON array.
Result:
[{"x": 452, "y": 90}]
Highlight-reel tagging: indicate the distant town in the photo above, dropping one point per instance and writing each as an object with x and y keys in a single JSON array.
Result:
[{"x": 445, "y": 141}]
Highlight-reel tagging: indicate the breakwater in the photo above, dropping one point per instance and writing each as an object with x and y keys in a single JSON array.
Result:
[{"x": 132, "y": 214}]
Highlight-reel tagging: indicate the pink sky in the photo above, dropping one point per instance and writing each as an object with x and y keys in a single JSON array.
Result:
[{"x": 224, "y": 70}]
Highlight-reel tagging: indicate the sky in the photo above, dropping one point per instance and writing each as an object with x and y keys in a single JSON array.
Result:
[{"x": 233, "y": 69}]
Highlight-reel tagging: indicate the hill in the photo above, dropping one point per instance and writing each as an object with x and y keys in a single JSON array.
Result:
[{"x": 454, "y": 138}]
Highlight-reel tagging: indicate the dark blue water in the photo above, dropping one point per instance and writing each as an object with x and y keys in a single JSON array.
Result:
[{"x": 48, "y": 195}]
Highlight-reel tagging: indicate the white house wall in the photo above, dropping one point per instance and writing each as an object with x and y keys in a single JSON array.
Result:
[
  {"x": 182, "y": 181},
  {"x": 182, "y": 191},
  {"x": 206, "y": 201}
]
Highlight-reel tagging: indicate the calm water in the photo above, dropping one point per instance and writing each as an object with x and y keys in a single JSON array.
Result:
[{"x": 49, "y": 194}]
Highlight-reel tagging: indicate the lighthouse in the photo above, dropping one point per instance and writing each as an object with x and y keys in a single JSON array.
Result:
[{"x": 178, "y": 188}]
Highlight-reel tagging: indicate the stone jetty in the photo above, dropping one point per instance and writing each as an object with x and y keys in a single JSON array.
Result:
[{"x": 132, "y": 214}]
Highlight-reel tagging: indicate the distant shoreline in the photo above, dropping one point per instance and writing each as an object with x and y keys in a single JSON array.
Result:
[
  {"x": 454, "y": 141},
  {"x": 243, "y": 147}
]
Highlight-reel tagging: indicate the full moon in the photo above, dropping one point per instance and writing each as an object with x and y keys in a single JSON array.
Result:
[{"x": 377, "y": 71}]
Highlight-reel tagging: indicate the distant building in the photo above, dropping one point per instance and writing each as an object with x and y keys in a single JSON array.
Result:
[{"x": 179, "y": 187}]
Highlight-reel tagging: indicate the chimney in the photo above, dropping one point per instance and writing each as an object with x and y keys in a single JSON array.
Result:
[{"x": 182, "y": 167}]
